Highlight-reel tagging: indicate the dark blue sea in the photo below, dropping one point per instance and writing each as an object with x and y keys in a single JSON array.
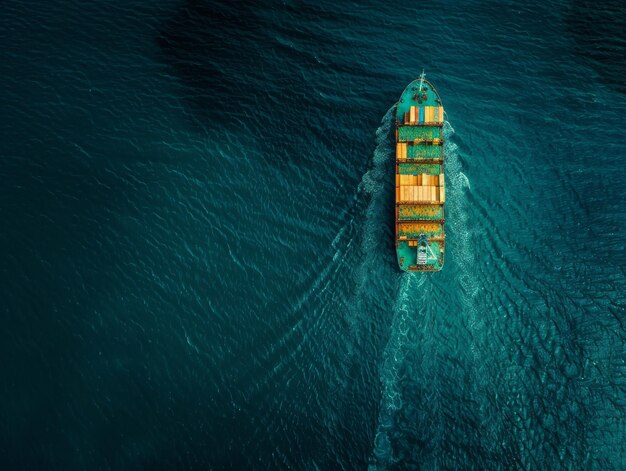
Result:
[{"x": 197, "y": 267}]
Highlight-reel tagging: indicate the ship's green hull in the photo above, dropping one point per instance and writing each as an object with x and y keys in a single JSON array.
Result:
[{"x": 420, "y": 181}]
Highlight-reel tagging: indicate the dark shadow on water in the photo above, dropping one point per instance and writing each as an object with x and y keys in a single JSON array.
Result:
[
  {"x": 272, "y": 75},
  {"x": 212, "y": 48},
  {"x": 598, "y": 30}
]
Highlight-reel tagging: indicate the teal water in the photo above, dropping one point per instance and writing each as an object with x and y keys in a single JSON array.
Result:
[{"x": 197, "y": 243}]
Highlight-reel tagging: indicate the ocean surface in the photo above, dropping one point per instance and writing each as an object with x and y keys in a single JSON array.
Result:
[{"x": 196, "y": 246}]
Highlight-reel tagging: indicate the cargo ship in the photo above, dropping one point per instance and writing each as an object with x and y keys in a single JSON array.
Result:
[{"x": 420, "y": 182}]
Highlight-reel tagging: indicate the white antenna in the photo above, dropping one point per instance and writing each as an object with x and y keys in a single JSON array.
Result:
[
  {"x": 432, "y": 254},
  {"x": 422, "y": 77}
]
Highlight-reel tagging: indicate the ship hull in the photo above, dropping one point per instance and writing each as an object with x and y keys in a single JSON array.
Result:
[{"x": 420, "y": 180}]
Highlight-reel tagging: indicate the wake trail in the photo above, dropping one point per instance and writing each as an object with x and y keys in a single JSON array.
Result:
[
  {"x": 415, "y": 330},
  {"x": 462, "y": 244},
  {"x": 373, "y": 258},
  {"x": 393, "y": 358}
]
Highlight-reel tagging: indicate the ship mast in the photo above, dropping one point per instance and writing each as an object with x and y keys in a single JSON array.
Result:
[{"x": 422, "y": 77}]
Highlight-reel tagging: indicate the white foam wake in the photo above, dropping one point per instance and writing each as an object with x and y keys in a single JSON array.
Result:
[
  {"x": 409, "y": 296},
  {"x": 393, "y": 357},
  {"x": 461, "y": 246},
  {"x": 370, "y": 268}
]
